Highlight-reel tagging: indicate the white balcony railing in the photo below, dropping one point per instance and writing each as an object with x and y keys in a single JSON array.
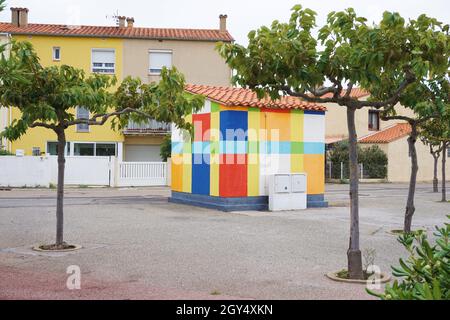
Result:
[{"x": 149, "y": 127}]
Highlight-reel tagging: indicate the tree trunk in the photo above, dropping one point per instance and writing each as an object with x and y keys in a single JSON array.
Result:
[
  {"x": 355, "y": 268},
  {"x": 435, "y": 178},
  {"x": 410, "y": 207},
  {"x": 444, "y": 164},
  {"x": 60, "y": 197}
]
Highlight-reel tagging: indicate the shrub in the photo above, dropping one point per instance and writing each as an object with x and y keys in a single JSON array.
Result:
[
  {"x": 166, "y": 148},
  {"x": 373, "y": 159},
  {"x": 375, "y": 162},
  {"x": 337, "y": 155},
  {"x": 3, "y": 152},
  {"x": 426, "y": 273}
]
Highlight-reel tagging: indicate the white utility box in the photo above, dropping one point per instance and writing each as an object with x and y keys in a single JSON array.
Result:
[
  {"x": 299, "y": 197},
  {"x": 287, "y": 192},
  {"x": 282, "y": 183},
  {"x": 299, "y": 183}
]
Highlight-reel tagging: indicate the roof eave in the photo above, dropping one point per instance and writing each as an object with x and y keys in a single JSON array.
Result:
[{"x": 43, "y": 34}]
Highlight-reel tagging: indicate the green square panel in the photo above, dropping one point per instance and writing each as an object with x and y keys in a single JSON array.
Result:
[
  {"x": 215, "y": 107},
  {"x": 215, "y": 147},
  {"x": 297, "y": 148},
  {"x": 253, "y": 147},
  {"x": 187, "y": 148}
]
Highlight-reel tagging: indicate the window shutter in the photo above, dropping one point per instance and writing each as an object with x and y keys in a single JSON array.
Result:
[
  {"x": 158, "y": 60},
  {"x": 82, "y": 113},
  {"x": 103, "y": 56},
  {"x": 103, "y": 61}
]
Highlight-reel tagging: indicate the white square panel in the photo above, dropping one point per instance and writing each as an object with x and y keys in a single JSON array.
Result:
[{"x": 314, "y": 128}]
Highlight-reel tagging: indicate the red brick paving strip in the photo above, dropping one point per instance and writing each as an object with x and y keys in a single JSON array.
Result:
[{"x": 20, "y": 284}]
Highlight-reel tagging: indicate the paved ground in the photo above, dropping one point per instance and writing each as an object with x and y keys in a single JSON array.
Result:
[{"x": 137, "y": 245}]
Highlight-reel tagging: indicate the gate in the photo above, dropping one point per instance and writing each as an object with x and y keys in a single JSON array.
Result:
[{"x": 141, "y": 174}]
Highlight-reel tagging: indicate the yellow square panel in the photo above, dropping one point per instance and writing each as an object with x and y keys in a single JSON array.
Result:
[
  {"x": 297, "y": 127},
  {"x": 297, "y": 163},
  {"x": 315, "y": 168}
]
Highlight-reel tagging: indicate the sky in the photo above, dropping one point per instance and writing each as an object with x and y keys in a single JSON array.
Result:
[{"x": 244, "y": 15}]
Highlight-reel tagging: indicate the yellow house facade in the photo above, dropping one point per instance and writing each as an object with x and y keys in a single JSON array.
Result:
[
  {"x": 113, "y": 51},
  {"x": 76, "y": 52}
]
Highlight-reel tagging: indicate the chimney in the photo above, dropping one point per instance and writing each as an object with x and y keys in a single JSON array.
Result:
[
  {"x": 19, "y": 17},
  {"x": 130, "y": 22},
  {"x": 122, "y": 20},
  {"x": 223, "y": 22},
  {"x": 15, "y": 17},
  {"x": 23, "y": 17}
]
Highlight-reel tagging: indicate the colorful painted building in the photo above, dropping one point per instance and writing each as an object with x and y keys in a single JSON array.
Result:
[
  {"x": 121, "y": 51},
  {"x": 239, "y": 141}
]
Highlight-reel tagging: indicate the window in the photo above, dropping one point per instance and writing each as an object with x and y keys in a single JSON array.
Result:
[
  {"x": 36, "y": 151},
  {"x": 103, "y": 61},
  {"x": 448, "y": 152},
  {"x": 374, "y": 120},
  {"x": 105, "y": 150},
  {"x": 158, "y": 60},
  {"x": 83, "y": 114},
  {"x": 84, "y": 149},
  {"x": 52, "y": 148},
  {"x": 56, "y": 54},
  {"x": 93, "y": 149}
]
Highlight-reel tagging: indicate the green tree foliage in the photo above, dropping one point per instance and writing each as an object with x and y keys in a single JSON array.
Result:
[
  {"x": 166, "y": 148},
  {"x": 384, "y": 58},
  {"x": 436, "y": 131},
  {"x": 426, "y": 273},
  {"x": 435, "y": 134},
  {"x": 165, "y": 101},
  {"x": 47, "y": 98},
  {"x": 2, "y": 5}
]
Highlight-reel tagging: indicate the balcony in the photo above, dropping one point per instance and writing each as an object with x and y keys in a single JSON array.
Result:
[{"x": 151, "y": 127}]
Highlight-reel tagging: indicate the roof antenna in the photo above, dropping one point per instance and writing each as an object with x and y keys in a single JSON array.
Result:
[{"x": 115, "y": 17}]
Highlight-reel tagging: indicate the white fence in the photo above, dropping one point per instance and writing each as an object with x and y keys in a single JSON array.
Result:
[
  {"x": 137, "y": 174},
  {"x": 25, "y": 172},
  {"x": 92, "y": 171},
  {"x": 86, "y": 171}
]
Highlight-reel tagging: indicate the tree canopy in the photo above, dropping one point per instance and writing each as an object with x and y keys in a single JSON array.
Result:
[
  {"x": 47, "y": 98},
  {"x": 383, "y": 58}
]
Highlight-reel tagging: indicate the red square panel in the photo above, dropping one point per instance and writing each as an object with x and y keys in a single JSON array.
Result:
[
  {"x": 233, "y": 177},
  {"x": 202, "y": 125}
]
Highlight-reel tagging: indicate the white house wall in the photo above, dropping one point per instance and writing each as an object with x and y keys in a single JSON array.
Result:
[{"x": 399, "y": 169}]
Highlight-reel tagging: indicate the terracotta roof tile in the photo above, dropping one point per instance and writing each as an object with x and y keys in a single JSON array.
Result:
[
  {"x": 388, "y": 135},
  {"x": 357, "y": 93},
  {"x": 230, "y": 96},
  {"x": 116, "y": 32}
]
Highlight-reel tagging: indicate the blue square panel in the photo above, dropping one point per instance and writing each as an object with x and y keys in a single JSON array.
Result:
[
  {"x": 201, "y": 174},
  {"x": 234, "y": 125}
]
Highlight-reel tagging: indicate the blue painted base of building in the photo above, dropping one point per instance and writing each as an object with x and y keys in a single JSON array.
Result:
[
  {"x": 317, "y": 201},
  {"x": 236, "y": 204}
]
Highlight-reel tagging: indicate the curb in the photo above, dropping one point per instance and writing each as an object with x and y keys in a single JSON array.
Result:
[
  {"x": 77, "y": 247},
  {"x": 385, "y": 278}
]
